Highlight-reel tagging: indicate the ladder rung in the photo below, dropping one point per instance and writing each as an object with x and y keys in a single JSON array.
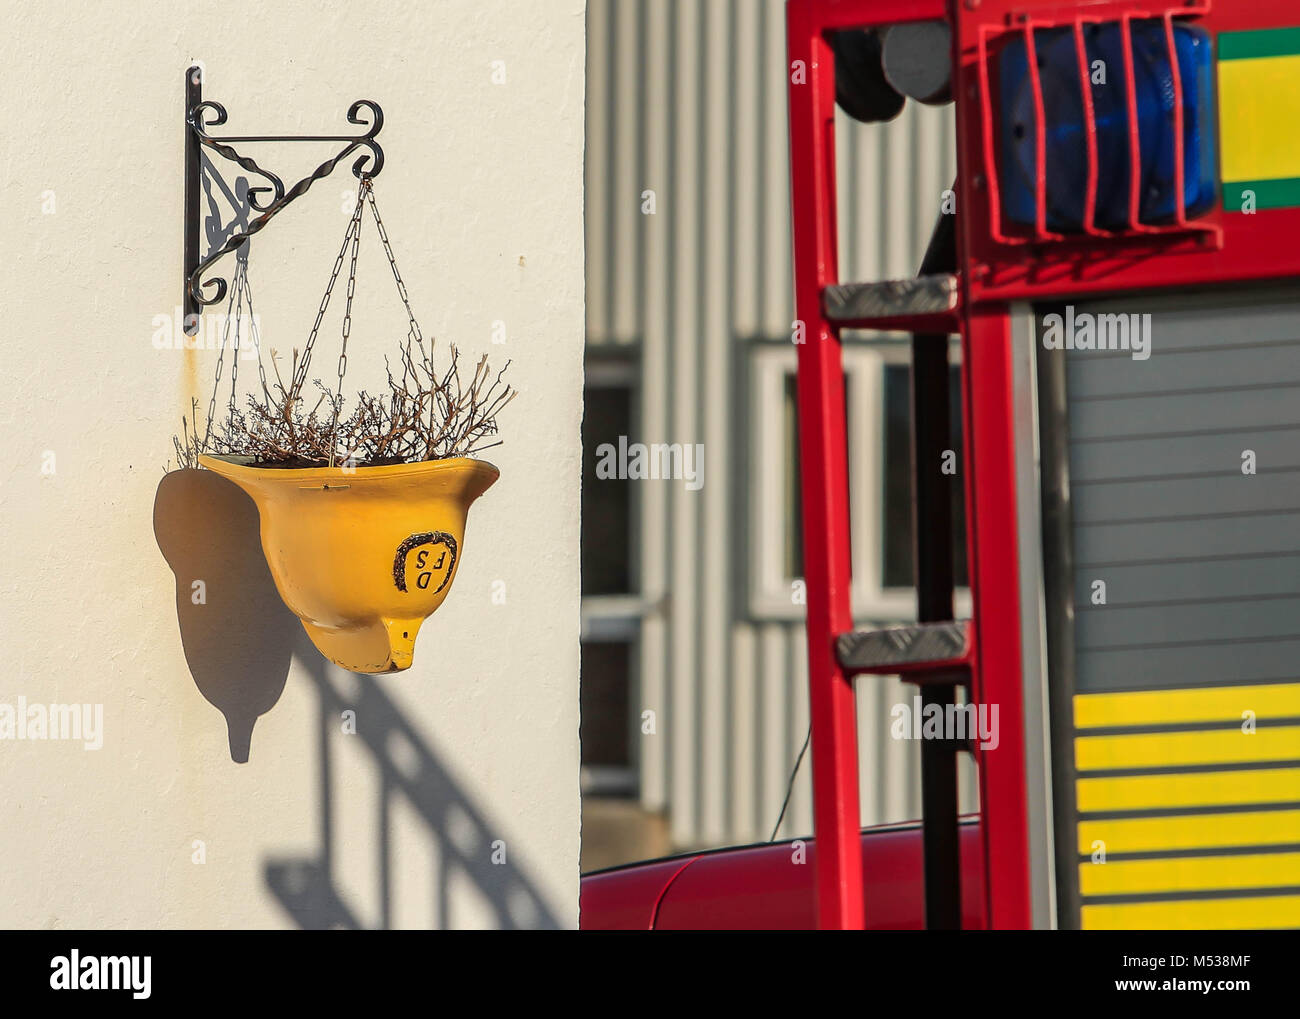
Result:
[
  {"x": 906, "y": 648},
  {"x": 894, "y": 303}
]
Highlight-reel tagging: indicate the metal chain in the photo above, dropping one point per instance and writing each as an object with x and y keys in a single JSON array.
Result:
[
  {"x": 240, "y": 284},
  {"x": 241, "y": 291},
  {"x": 257, "y": 339},
  {"x": 351, "y": 245},
  {"x": 221, "y": 354},
  {"x": 347, "y": 319},
  {"x": 414, "y": 331},
  {"x": 354, "y": 224}
]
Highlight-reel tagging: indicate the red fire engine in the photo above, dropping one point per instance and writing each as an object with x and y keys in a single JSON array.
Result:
[{"x": 1119, "y": 262}]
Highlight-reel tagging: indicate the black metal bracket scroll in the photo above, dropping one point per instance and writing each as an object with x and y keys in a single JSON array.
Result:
[{"x": 268, "y": 199}]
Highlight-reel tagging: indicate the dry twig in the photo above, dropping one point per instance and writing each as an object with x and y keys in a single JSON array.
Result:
[{"x": 427, "y": 414}]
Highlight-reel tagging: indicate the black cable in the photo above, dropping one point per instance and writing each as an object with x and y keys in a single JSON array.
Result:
[{"x": 790, "y": 788}]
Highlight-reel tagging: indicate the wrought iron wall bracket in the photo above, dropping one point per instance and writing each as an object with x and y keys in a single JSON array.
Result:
[{"x": 268, "y": 199}]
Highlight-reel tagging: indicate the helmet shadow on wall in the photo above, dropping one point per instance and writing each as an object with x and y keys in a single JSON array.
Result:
[{"x": 237, "y": 634}]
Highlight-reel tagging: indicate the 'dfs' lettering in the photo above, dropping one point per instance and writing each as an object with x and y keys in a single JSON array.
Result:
[
  {"x": 422, "y": 579},
  {"x": 423, "y": 556}
]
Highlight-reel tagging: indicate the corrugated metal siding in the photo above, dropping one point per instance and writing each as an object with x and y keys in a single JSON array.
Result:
[
  {"x": 1199, "y": 557},
  {"x": 688, "y": 99}
]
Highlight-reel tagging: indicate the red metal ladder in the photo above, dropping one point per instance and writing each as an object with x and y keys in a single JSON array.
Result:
[{"x": 937, "y": 651}]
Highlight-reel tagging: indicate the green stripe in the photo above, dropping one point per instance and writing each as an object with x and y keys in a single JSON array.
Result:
[
  {"x": 1266, "y": 42},
  {"x": 1283, "y": 193}
]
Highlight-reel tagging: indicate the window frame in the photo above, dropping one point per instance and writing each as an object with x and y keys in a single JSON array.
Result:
[{"x": 770, "y": 595}]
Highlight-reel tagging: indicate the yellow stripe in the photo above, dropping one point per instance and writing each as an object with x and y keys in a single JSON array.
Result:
[
  {"x": 1198, "y": 789},
  {"x": 1190, "y": 874},
  {"x": 1212, "y": 704},
  {"x": 1196, "y": 831},
  {"x": 1259, "y": 118},
  {"x": 1199, "y": 914},
  {"x": 1167, "y": 749}
]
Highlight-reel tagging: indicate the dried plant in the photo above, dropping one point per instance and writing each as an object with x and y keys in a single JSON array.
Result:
[{"x": 427, "y": 414}]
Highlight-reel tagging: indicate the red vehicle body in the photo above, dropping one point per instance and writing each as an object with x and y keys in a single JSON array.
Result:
[{"x": 756, "y": 888}]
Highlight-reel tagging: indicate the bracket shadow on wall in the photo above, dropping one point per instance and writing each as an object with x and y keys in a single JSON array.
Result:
[{"x": 198, "y": 292}]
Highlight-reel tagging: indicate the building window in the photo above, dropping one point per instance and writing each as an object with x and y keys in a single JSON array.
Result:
[
  {"x": 878, "y": 419},
  {"x": 897, "y": 521},
  {"x": 606, "y": 502},
  {"x": 611, "y": 605},
  {"x": 606, "y": 687}
]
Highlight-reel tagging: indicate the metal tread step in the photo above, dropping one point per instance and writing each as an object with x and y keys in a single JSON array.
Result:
[
  {"x": 918, "y": 296},
  {"x": 906, "y": 648}
]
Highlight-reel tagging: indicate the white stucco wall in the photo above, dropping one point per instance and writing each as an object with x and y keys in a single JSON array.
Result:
[{"x": 482, "y": 196}]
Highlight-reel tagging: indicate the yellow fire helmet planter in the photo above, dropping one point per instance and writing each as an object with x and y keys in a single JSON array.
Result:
[{"x": 362, "y": 555}]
